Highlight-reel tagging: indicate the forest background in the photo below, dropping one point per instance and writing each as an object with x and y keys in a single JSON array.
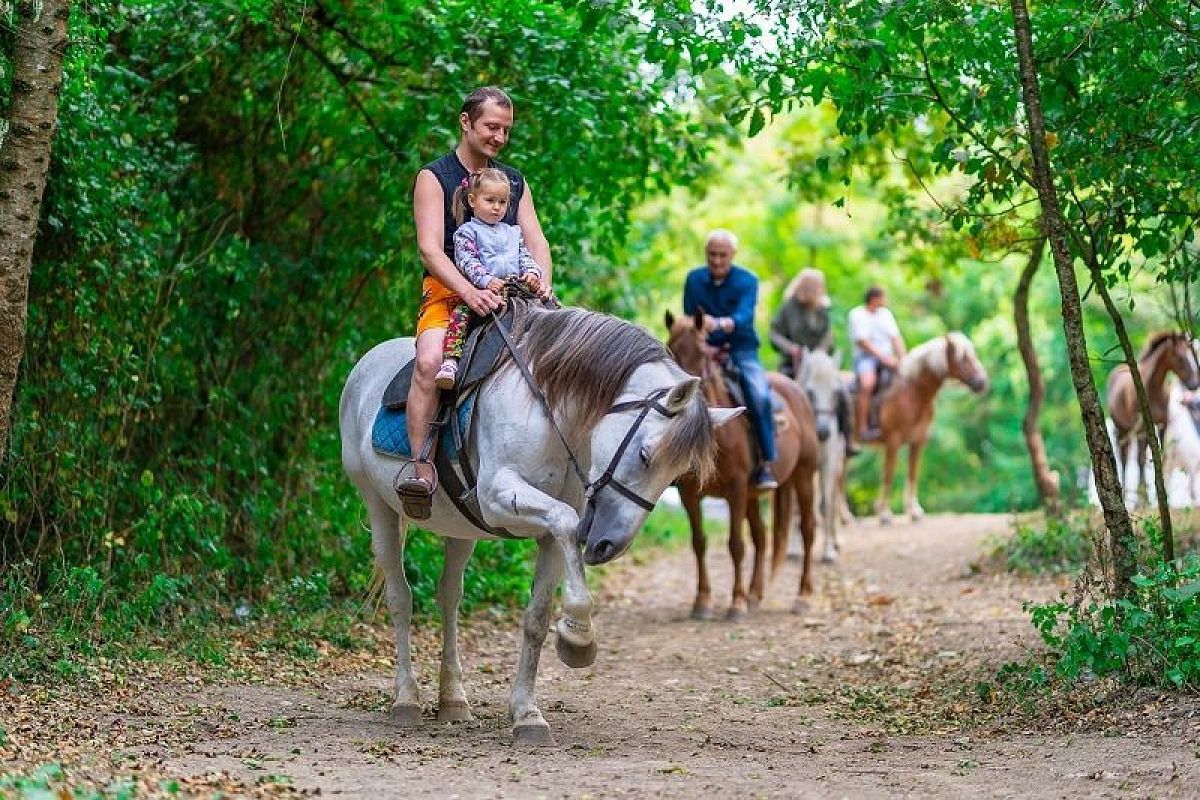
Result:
[{"x": 227, "y": 227}]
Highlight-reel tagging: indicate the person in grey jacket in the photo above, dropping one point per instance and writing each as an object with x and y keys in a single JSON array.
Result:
[{"x": 802, "y": 323}]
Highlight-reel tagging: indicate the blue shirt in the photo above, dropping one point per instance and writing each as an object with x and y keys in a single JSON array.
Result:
[{"x": 735, "y": 297}]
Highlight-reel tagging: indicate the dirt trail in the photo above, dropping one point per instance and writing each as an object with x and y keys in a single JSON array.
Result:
[{"x": 777, "y": 706}]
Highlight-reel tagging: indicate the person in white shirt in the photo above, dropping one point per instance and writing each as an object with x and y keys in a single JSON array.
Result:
[{"x": 877, "y": 345}]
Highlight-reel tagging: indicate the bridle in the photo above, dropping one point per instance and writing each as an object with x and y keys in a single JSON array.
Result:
[{"x": 592, "y": 489}]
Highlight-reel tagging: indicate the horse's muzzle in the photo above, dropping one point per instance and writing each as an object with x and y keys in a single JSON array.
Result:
[{"x": 978, "y": 385}]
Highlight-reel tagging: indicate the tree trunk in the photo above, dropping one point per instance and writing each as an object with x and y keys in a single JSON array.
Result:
[
  {"x": 37, "y": 59},
  {"x": 1045, "y": 478},
  {"x": 1139, "y": 386},
  {"x": 1104, "y": 466}
]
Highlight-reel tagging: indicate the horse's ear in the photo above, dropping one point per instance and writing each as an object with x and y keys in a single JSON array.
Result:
[
  {"x": 669, "y": 319},
  {"x": 680, "y": 396},
  {"x": 720, "y": 416},
  {"x": 698, "y": 320}
]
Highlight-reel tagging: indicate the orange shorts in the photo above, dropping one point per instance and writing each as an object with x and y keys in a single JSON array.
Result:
[{"x": 437, "y": 303}]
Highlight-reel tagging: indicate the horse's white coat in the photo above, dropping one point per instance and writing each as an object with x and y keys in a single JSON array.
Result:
[
  {"x": 821, "y": 378},
  {"x": 526, "y": 485}
]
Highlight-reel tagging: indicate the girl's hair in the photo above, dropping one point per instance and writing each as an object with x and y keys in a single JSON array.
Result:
[{"x": 488, "y": 176}]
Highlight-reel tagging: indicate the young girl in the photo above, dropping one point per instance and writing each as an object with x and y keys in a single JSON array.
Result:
[{"x": 487, "y": 251}]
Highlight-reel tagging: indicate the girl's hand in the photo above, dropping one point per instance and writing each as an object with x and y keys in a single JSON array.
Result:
[{"x": 496, "y": 285}]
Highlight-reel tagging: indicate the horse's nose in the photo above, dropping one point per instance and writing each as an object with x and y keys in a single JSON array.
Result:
[
  {"x": 979, "y": 385},
  {"x": 823, "y": 431},
  {"x": 600, "y": 552}
]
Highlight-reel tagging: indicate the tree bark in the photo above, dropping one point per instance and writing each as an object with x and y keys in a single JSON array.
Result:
[
  {"x": 1044, "y": 478},
  {"x": 1104, "y": 466},
  {"x": 1166, "y": 531},
  {"x": 37, "y": 59}
]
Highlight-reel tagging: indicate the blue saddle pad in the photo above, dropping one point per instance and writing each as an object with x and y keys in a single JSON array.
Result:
[{"x": 389, "y": 434}]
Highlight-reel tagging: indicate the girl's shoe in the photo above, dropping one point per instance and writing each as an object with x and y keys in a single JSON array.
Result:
[{"x": 446, "y": 375}]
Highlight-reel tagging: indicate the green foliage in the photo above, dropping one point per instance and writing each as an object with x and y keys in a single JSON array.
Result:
[
  {"x": 226, "y": 229},
  {"x": 1152, "y": 637},
  {"x": 49, "y": 782},
  {"x": 1056, "y": 546}
]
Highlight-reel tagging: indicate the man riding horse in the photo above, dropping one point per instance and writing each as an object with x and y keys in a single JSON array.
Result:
[
  {"x": 877, "y": 346},
  {"x": 727, "y": 294},
  {"x": 485, "y": 121}
]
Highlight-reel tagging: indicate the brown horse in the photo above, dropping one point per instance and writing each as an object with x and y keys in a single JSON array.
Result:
[
  {"x": 795, "y": 465},
  {"x": 906, "y": 408},
  {"x": 1165, "y": 352}
]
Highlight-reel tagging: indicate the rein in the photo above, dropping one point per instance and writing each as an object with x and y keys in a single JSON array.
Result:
[{"x": 593, "y": 488}]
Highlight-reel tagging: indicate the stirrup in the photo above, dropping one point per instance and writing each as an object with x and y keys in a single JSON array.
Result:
[{"x": 415, "y": 492}]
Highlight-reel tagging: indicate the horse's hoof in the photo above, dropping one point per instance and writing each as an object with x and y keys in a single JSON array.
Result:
[
  {"x": 829, "y": 558},
  {"x": 753, "y": 602},
  {"x": 574, "y": 656},
  {"x": 454, "y": 711},
  {"x": 406, "y": 715},
  {"x": 702, "y": 613},
  {"x": 735, "y": 614},
  {"x": 532, "y": 735}
]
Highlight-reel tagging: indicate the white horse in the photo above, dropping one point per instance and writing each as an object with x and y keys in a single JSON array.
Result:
[
  {"x": 1181, "y": 447},
  {"x": 624, "y": 415},
  {"x": 820, "y": 377}
]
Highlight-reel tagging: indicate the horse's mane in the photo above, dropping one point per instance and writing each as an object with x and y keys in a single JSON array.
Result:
[
  {"x": 585, "y": 359},
  {"x": 1156, "y": 340}
]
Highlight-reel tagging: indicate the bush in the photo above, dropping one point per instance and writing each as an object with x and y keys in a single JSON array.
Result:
[
  {"x": 1151, "y": 637},
  {"x": 1055, "y": 546}
]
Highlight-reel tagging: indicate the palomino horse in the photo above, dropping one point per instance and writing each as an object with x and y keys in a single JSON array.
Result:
[
  {"x": 1165, "y": 352},
  {"x": 795, "y": 464},
  {"x": 821, "y": 380},
  {"x": 626, "y": 422},
  {"x": 906, "y": 408}
]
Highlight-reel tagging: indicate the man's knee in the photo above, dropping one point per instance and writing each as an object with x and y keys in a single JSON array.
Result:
[{"x": 867, "y": 379}]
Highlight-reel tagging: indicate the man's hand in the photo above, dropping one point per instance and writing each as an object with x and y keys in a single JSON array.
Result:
[
  {"x": 889, "y": 361},
  {"x": 482, "y": 301},
  {"x": 534, "y": 283}
]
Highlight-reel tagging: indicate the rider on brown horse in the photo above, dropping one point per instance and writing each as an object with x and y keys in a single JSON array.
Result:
[
  {"x": 877, "y": 346},
  {"x": 727, "y": 294}
]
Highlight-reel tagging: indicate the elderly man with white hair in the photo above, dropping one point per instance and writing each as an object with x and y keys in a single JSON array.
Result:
[{"x": 727, "y": 293}]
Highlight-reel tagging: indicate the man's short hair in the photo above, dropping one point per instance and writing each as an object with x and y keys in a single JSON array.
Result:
[
  {"x": 476, "y": 100},
  {"x": 721, "y": 235},
  {"x": 872, "y": 293}
]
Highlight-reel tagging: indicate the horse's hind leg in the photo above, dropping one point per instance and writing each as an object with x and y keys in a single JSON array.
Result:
[
  {"x": 758, "y": 536},
  {"x": 914, "y": 468},
  {"x": 806, "y": 496},
  {"x": 452, "y": 699},
  {"x": 529, "y": 726},
  {"x": 387, "y": 540},
  {"x": 883, "y": 506}
]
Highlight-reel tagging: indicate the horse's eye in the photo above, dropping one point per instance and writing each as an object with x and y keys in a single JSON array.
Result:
[{"x": 644, "y": 455}]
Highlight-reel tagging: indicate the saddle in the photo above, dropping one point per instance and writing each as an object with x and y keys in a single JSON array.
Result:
[
  {"x": 487, "y": 343},
  {"x": 885, "y": 377}
]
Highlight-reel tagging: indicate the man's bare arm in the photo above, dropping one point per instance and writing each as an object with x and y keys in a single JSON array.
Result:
[{"x": 535, "y": 240}]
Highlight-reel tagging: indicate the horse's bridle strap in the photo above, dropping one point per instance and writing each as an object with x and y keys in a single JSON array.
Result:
[{"x": 646, "y": 404}]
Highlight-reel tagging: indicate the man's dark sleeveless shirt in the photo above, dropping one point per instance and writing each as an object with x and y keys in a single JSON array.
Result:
[{"x": 450, "y": 173}]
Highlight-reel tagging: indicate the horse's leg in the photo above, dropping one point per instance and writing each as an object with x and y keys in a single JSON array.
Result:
[
  {"x": 828, "y": 482},
  {"x": 883, "y": 504},
  {"x": 702, "y": 606},
  {"x": 1133, "y": 473},
  {"x": 387, "y": 540},
  {"x": 511, "y": 503},
  {"x": 805, "y": 493},
  {"x": 781, "y": 527},
  {"x": 529, "y": 726},
  {"x": 452, "y": 699},
  {"x": 843, "y": 501},
  {"x": 911, "y": 502},
  {"x": 758, "y": 537},
  {"x": 737, "y": 550}
]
